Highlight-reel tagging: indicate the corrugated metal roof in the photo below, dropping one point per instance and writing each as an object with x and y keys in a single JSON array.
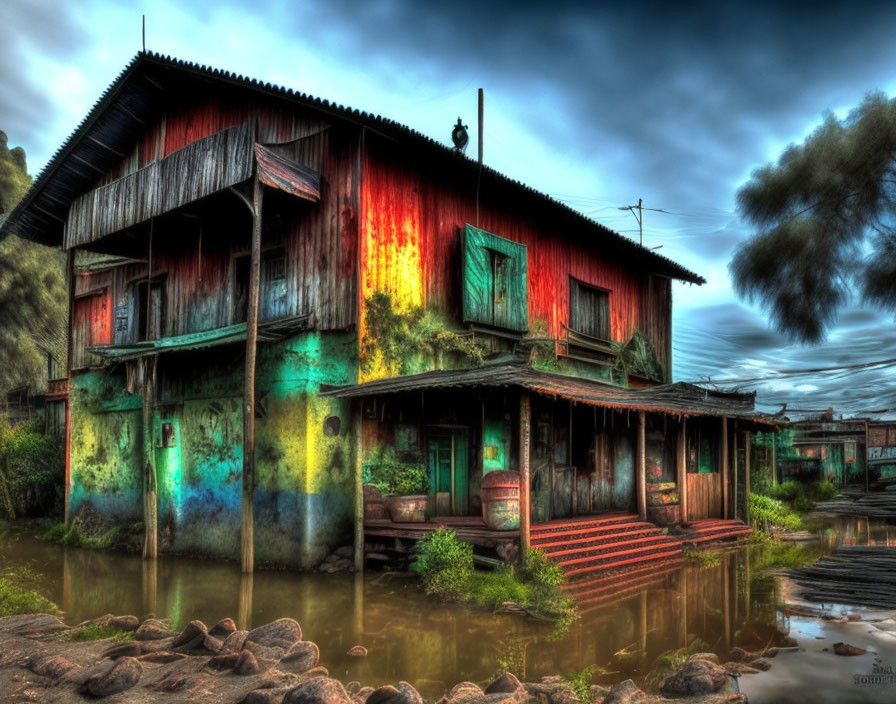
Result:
[
  {"x": 131, "y": 102},
  {"x": 679, "y": 398}
]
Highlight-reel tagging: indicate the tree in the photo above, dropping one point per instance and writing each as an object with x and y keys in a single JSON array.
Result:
[
  {"x": 825, "y": 216},
  {"x": 33, "y": 299}
]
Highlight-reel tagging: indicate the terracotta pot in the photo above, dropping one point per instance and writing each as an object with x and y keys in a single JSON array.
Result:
[{"x": 407, "y": 509}]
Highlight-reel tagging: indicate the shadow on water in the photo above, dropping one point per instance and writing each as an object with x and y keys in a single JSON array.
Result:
[{"x": 410, "y": 637}]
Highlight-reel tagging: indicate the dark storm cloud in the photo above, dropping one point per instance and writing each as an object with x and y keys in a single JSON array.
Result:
[{"x": 42, "y": 26}]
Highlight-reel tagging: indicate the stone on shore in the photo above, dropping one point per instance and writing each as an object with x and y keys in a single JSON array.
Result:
[
  {"x": 131, "y": 649},
  {"x": 505, "y": 684},
  {"x": 153, "y": 629},
  {"x": 317, "y": 690},
  {"x": 246, "y": 664},
  {"x": 124, "y": 674},
  {"x": 302, "y": 656},
  {"x": 222, "y": 628},
  {"x": 464, "y": 693},
  {"x": 281, "y": 633},
  {"x": 696, "y": 677},
  {"x": 234, "y": 642},
  {"x": 711, "y": 657},
  {"x": 626, "y": 692},
  {"x": 193, "y": 631},
  {"x": 357, "y": 651},
  {"x": 125, "y": 623},
  {"x": 847, "y": 649},
  {"x": 53, "y": 666}
]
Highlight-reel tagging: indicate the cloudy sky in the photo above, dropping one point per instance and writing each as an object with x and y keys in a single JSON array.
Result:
[{"x": 675, "y": 103}]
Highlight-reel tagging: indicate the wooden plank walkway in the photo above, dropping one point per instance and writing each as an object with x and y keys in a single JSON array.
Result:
[
  {"x": 875, "y": 504},
  {"x": 859, "y": 576}
]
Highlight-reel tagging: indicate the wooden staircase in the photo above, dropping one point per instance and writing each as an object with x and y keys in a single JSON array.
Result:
[
  {"x": 711, "y": 529},
  {"x": 605, "y": 542}
]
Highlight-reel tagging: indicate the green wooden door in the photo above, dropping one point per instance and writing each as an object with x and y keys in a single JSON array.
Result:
[{"x": 448, "y": 472}]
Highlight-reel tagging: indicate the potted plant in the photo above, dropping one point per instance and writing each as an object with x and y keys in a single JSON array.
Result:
[{"x": 403, "y": 483}]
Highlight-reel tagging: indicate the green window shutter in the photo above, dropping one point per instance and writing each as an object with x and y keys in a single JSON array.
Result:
[{"x": 495, "y": 288}]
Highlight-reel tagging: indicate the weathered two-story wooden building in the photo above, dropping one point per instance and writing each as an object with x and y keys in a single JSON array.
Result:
[{"x": 284, "y": 284}]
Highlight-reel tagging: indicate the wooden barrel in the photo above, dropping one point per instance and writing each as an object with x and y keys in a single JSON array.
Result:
[{"x": 501, "y": 500}]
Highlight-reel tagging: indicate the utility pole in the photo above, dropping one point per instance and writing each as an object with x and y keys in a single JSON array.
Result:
[{"x": 639, "y": 217}]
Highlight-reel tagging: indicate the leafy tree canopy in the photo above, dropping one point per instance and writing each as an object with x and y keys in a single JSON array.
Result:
[
  {"x": 825, "y": 221},
  {"x": 33, "y": 298}
]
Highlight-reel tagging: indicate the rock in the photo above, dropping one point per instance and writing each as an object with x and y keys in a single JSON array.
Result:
[
  {"x": 162, "y": 657},
  {"x": 194, "y": 630},
  {"x": 465, "y": 692},
  {"x": 246, "y": 664},
  {"x": 131, "y": 649},
  {"x": 346, "y": 551},
  {"x": 222, "y": 628},
  {"x": 506, "y": 683},
  {"x": 223, "y": 661},
  {"x": 357, "y": 651},
  {"x": 53, "y": 666},
  {"x": 265, "y": 696},
  {"x": 301, "y": 657},
  {"x": 317, "y": 690},
  {"x": 695, "y": 677},
  {"x": 317, "y": 672},
  {"x": 847, "y": 649},
  {"x": 176, "y": 682},
  {"x": 151, "y": 629},
  {"x": 353, "y": 687},
  {"x": 853, "y": 617},
  {"x": 760, "y": 664},
  {"x": 625, "y": 692},
  {"x": 769, "y": 653},
  {"x": 711, "y": 657},
  {"x": 281, "y": 633},
  {"x": 125, "y": 623},
  {"x": 212, "y": 644},
  {"x": 263, "y": 651},
  {"x": 738, "y": 655},
  {"x": 234, "y": 642},
  {"x": 123, "y": 674},
  {"x": 362, "y": 694},
  {"x": 788, "y": 642},
  {"x": 387, "y": 694},
  {"x": 736, "y": 669}
]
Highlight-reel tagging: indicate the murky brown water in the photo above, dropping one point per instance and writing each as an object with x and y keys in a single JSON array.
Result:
[{"x": 411, "y": 637}]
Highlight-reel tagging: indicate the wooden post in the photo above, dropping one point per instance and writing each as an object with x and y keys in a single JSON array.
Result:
[
  {"x": 734, "y": 506},
  {"x": 525, "y": 431},
  {"x": 150, "y": 483},
  {"x": 70, "y": 282},
  {"x": 359, "y": 485},
  {"x": 683, "y": 471},
  {"x": 725, "y": 507},
  {"x": 248, "y": 525},
  {"x": 775, "y": 459},
  {"x": 748, "y": 440},
  {"x": 867, "y": 487},
  {"x": 641, "y": 471}
]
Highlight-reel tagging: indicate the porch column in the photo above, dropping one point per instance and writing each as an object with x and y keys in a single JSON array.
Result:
[
  {"x": 247, "y": 534},
  {"x": 725, "y": 506},
  {"x": 775, "y": 459},
  {"x": 748, "y": 440},
  {"x": 683, "y": 470},
  {"x": 70, "y": 282},
  {"x": 525, "y": 430},
  {"x": 734, "y": 468},
  {"x": 150, "y": 497},
  {"x": 641, "y": 470}
]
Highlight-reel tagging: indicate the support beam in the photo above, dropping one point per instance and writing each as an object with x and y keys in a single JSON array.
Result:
[
  {"x": 359, "y": 485},
  {"x": 525, "y": 435},
  {"x": 775, "y": 459},
  {"x": 70, "y": 283},
  {"x": 641, "y": 470},
  {"x": 867, "y": 483},
  {"x": 150, "y": 481},
  {"x": 248, "y": 525},
  {"x": 726, "y": 508},
  {"x": 682, "y": 470},
  {"x": 734, "y": 468},
  {"x": 748, "y": 440}
]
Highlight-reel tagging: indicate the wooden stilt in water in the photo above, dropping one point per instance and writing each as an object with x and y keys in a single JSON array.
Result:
[
  {"x": 359, "y": 487},
  {"x": 734, "y": 505},
  {"x": 70, "y": 282},
  {"x": 726, "y": 508},
  {"x": 248, "y": 524},
  {"x": 641, "y": 469},
  {"x": 748, "y": 440},
  {"x": 150, "y": 483},
  {"x": 525, "y": 432}
]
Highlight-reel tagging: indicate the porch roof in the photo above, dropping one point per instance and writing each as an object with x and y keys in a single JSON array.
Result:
[{"x": 679, "y": 398}]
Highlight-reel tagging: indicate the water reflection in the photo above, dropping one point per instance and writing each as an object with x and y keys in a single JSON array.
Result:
[{"x": 625, "y": 626}]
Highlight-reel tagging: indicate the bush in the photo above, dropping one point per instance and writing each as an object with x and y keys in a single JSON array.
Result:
[
  {"x": 788, "y": 491},
  {"x": 393, "y": 476},
  {"x": 822, "y": 490},
  {"x": 18, "y": 596},
  {"x": 770, "y": 515},
  {"x": 539, "y": 570},
  {"x": 32, "y": 470},
  {"x": 445, "y": 564}
]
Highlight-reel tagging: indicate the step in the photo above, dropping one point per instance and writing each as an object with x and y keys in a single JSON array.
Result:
[
  {"x": 674, "y": 554},
  {"x": 566, "y": 523},
  {"x": 672, "y": 544},
  {"x": 592, "y": 530},
  {"x": 563, "y": 537},
  {"x": 602, "y": 548},
  {"x": 597, "y": 538},
  {"x": 716, "y": 536}
]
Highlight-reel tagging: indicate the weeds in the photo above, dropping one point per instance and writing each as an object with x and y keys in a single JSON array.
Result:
[
  {"x": 118, "y": 537},
  {"x": 580, "y": 683},
  {"x": 770, "y": 515},
  {"x": 18, "y": 596},
  {"x": 95, "y": 631},
  {"x": 706, "y": 558}
]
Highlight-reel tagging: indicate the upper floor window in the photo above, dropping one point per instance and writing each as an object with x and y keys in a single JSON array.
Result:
[
  {"x": 494, "y": 281},
  {"x": 589, "y": 310},
  {"x": 272, "y": 295}
]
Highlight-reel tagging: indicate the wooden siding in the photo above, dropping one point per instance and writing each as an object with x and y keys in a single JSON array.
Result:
[
  {"x": 91, "y": 326},
  {"x": 410, "y": 249}
]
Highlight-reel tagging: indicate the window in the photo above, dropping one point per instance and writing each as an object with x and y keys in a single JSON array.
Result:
[
  {"x": 589, "y": 310},
  {"x": 148, "y": 316},
  {"x": 272, "y": 296},
  {"x": 494, "y": 271}
]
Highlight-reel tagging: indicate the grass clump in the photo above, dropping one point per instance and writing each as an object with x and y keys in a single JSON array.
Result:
[
  {"x": 18, "y": 596},
  {"x": 445, "y": 565},
  {"x": 580, "y": 683},
  {"x": 771, "y": 516},
  {"x": 118, "y": 537},
  {"x": 771, "y": 554},
  {"x": 706, "y": 558},
  {"x": 54, "y": 534},
  {"x": 803, "y": 497}
]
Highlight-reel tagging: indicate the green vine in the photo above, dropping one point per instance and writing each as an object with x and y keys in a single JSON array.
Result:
[
  {"x": 636, "y": 357},
  {"x": 406, "y": 341}
]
